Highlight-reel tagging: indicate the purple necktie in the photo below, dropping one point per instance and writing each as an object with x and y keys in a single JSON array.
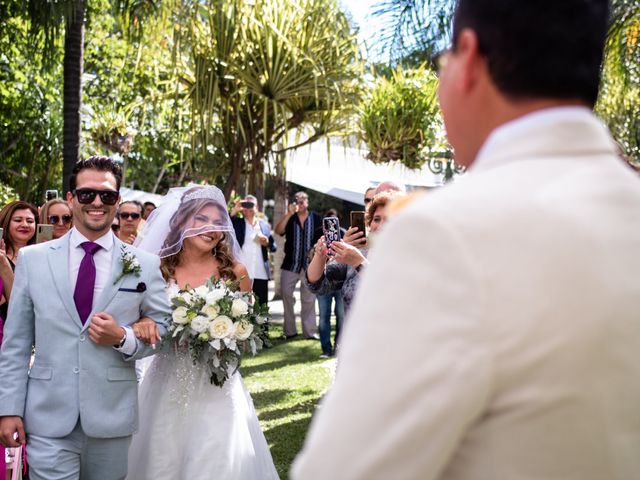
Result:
[{"x": 86, "y": 281}]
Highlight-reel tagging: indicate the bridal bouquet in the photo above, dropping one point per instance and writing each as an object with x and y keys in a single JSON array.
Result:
[{"x": 218, "y": 324}]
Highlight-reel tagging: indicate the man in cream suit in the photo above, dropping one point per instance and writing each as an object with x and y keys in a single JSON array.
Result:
[
  {"x": 496, "y": 333},
  {"x": 75, "y": 299}
]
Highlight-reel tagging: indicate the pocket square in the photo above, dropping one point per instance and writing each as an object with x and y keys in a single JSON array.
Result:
[{"x": 141, "y": 287}]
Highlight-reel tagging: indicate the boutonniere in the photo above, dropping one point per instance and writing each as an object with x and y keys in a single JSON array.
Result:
[{"x": 130, "y": 264}]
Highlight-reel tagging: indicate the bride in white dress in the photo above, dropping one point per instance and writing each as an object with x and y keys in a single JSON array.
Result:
[{"x": 190, "y": 428}]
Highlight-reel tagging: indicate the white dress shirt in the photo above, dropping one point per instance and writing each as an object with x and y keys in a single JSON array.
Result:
[
  {"x": 252, "y": 251},
  {"x": 102, "y": 259}
]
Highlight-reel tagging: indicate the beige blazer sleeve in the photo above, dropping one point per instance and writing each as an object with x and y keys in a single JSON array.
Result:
[{"x": 428, "y": 376}]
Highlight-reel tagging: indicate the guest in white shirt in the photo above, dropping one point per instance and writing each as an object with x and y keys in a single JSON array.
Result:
[
  {"x": 255, "y": 238},
  {"x": 506, "y": 344}
]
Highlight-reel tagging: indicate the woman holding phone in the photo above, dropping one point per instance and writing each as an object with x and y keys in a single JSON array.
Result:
[
  {"x": 338, "y": 266},
  {"x": 56, "y": 212}
]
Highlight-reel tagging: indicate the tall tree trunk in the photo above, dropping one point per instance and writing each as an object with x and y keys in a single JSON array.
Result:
[
  {"x": 234, "y": 176},
  {"x": 25, "y": 194},
  {"x": 73, "y": 56},
  {"x": 279, "y": 209}
]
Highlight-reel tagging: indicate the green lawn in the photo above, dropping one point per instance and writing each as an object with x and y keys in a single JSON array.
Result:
[{"x": 286, "y": 383}]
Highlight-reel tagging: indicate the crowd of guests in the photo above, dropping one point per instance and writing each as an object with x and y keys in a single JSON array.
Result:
[{"x": 327, "y": 272}]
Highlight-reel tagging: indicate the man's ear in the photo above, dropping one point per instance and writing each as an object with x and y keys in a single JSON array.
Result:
[
  {"x": 472, "y": 62},
  {"x": 69, "y": 199}
]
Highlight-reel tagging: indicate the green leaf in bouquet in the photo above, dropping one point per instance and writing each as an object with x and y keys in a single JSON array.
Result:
[{"x": 179, "y": 302}]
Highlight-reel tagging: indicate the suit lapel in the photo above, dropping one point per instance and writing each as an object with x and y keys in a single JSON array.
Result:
[
  {"x": 110, "y": 289},
  {"x": 59, "y": 265}
]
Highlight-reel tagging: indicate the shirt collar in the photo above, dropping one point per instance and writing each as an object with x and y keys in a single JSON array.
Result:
[
  {"x": 105, "y": 241},
  {"x": 576, "y": 127}
]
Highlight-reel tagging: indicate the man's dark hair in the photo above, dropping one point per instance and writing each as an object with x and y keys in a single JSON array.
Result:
[
  {"x": 539, "y": 48},
  {"x": 97, "y": 162},
  {"x": 146, "y": 204}
]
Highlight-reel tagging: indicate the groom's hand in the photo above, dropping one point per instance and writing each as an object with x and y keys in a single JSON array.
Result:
[
  {"x": 104, "y": 330},
  {"x": 9, "y": 426}
]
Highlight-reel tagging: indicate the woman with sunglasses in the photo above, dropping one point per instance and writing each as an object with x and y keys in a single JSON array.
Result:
[
  {"x": 56, "y": 212},
  {"x": 129, "y": 215}
]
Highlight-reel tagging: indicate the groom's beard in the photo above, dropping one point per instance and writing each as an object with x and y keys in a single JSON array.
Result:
[{"x": 96, "y": 225}]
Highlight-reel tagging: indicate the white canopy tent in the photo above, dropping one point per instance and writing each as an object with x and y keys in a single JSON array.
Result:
[
  {"x": 345, "y": 173},
  {"x": 128, "y": 194},
  {"x": 342, "y": 172}
]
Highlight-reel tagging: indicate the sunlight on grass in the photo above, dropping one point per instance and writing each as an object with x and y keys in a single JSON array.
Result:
[{"x": 286, "y": 383}]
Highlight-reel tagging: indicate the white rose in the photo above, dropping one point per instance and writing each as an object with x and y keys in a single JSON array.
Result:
[
  {"x": 200, "y": 323},
  {"x": 186, "y": 296},
  {"x": 239, "y": 307},
  {"x": 221, "y": 327},
  {"x": 179, "y": 316},
  {"x": 211, "y": 310},
  {"x": 243, "y": 330},
  {"x": 201, "y": 291},
  {"x": 260, "y": 320},
  {"x": 214, "y": 295}
]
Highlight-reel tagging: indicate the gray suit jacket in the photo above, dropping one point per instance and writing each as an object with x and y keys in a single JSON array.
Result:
[{"x": 72, "y": 376}]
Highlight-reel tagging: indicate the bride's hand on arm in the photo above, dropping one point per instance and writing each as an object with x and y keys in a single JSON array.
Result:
[
  {"x": 245, "y": 281},
  {"x": 147, "y": 331}
]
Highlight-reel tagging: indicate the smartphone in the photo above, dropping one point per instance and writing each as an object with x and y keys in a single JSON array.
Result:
[
  {"x": 331, "y": 231},
  {"x": 44, "y": 233},
  {"x": 51, "y": 194},
  {"x": 357, "y": 220}
]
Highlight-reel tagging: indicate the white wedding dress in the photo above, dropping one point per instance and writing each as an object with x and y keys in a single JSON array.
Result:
[{"x": 190, "y": 429}]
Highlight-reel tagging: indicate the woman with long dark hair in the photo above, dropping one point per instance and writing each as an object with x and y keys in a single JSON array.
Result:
[{"x": 18, "y": 221}]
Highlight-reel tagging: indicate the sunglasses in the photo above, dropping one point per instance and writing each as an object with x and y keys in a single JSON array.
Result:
[
  {"x": 88, "y": 195},
  {"x": 368, "y": 200},
  {"x": 247, "y": 204},
  {"x": 127, "y": 215},
  {"x": 115, "y": 227},
  {"x": 54, "y": 219}
]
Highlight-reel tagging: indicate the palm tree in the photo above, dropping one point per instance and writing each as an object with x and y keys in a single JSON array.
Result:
[
  {"x": 262, "y": 69},
  {"x": 414, "y": 30},
  {"x": 66, "y": 18}
]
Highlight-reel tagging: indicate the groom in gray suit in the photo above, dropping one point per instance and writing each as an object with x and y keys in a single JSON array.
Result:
[{"x": 75, "y": 299}]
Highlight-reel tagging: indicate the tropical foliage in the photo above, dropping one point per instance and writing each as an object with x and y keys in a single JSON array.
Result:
[
  {"x": 30, "y": 113},
  {"x": 179, "y": 90},
  {"x": 261, "y": 69},
  {"x": 427, "y": 25},
  {"x": 619, "y": 99},
  {"x": 414, "y": 30},
  {"x": 400, "y": 118}
]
